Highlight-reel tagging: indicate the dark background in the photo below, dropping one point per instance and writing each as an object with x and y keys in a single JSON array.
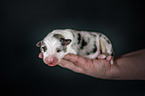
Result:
[{"x": 24, "y": 23}]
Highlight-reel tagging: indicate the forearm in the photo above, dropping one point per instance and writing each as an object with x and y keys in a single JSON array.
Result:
[{"x": 130, "y": 66}]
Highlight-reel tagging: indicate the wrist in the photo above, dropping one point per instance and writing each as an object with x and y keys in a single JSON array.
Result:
[{"x": 114, "y": 72}]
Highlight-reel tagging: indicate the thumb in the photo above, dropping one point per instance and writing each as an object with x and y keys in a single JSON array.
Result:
[
  {"x": 70, "y": 65},
  {"x": 78, "y": 60},
  {"x": 74, "y": 58}
]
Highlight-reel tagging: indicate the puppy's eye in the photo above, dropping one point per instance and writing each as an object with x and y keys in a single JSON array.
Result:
[
  {"x": 58, "y": 50},
  {"x": 44, "y": 48}
]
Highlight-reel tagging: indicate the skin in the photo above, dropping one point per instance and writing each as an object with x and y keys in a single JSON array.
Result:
[{"x": 130, "y": 66}]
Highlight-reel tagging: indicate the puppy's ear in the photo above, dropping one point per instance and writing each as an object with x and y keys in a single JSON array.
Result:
[
  {"x": 65, "y": 42},
  {"x": 39, "y": 44}
]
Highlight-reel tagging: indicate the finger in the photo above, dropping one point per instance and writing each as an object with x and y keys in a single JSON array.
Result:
[
  {"x": 74, "y": 58},
  {"x": 109, "y": 58},
  {"x": 70, "y": 65},
  {"x": 102, "y": 56},
  {"x": 79, "y": 61},
  {"x": 40, "y": 55}
]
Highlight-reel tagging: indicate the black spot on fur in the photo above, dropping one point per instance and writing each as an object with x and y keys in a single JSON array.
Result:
[
  {"x": 108, "y": 41},
  {"x": 62, "y": 41},
  {"x": 43, "y": 43},
  {"x": 88, "y": 53},
  {"x": 93, "y": 34},
  {"x": 44, "y": 48},
  {"x": 63, "y": 48},
  {"x": 73, "y": 35},
  {"x": 65, "y": 42},
  {"x": 83, "y": 44},
  {"x": 100, "y": 35},
  {"x": 94, "y": 49},
  {"x": 79, "y": 38},
  {"x": 58, "y": 36}
]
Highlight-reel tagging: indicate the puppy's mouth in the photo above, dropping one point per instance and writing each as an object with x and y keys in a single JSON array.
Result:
[
  {"x": 52, "y": 64},
  {"x": 51, "y": 61}
]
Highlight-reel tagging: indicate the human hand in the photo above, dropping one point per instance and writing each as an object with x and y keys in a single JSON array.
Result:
[
  {"x": 92, "y": 67},
  {"x": 126, "y": 67}
]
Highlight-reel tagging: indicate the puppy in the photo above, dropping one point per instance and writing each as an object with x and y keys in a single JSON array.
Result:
[{"x": 91, "y": 45}]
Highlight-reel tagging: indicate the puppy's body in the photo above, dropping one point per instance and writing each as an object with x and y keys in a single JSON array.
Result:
[{"x": 58, "y": 43}]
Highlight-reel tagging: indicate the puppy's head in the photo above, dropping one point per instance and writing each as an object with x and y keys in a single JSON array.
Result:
[{"x": 53, "y": 48}]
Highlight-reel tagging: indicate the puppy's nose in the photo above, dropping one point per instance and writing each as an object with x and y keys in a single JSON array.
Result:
[{"x": 51, "y": 61}]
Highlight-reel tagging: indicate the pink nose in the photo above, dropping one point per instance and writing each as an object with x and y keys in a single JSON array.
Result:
[{"x": 51, "y": 61}]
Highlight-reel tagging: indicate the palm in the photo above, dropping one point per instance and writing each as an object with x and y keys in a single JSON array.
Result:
[{"x": 92, "y": 67}]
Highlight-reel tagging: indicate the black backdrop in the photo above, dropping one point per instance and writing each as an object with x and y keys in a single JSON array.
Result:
[{"x": 24, "y": 23}]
